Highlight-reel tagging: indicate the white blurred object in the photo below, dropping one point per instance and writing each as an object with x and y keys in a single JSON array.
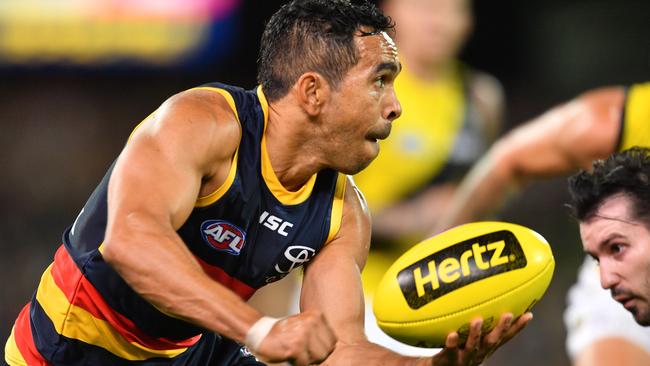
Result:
[
  {"x": 592, "y": 314},
  {"x": 376, "y": 335}
]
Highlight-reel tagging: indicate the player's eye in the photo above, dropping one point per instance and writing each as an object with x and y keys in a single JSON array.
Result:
[
  {"x": 615, "y": 248},
  {"x": 380, "y": 82}
]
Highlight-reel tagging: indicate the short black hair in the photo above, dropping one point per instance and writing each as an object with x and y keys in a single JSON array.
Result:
[
  {"x": 314, "y": 35},
  {"x": 626, "y": 172}
]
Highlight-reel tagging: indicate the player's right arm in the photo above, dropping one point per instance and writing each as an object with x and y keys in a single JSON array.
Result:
[
  {"x": 561, "y": 140},
  {"x": 188, "y": 141},
  {"x": 182, "y": 152}
]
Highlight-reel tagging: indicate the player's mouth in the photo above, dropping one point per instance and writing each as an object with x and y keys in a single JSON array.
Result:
[
  {"x": 626, "y": 300},
  {"x": 379, "y": 135}
]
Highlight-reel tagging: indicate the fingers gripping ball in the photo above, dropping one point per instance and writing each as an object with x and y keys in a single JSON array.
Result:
[{"x": 479, "y": 269}]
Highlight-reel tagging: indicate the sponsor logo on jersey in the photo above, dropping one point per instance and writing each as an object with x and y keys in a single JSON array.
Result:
[
  {"x": 294, "y": 257},
  {"x": 275, "y": 223},
  {"x": 460, "y": 265},
  {"x": 223, "y": 236}
]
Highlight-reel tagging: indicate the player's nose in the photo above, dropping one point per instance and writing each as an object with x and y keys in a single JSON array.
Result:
[
  {"x": 393, "y": 109},
  {"x": 608, "y": 278}
]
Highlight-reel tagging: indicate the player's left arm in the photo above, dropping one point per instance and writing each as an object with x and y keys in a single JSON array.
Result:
[{"x": 332, "y": 286}]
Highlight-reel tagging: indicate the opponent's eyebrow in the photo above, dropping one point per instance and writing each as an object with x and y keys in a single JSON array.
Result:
[{"x": 610, "y": 238}]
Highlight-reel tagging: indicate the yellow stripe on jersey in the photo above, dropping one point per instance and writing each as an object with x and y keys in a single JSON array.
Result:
[
  {"x": 225, "y": 94},
  {"x": 213, "y": 197},
  {"x": 12, "y": 354},
  {"x": 283, "y": 195},
  {"x": 76, "y": 323},
  {"x": 421, "y": 140},
  {"x": 337, "y": 206},
  {"x": 636, "y": 126}
]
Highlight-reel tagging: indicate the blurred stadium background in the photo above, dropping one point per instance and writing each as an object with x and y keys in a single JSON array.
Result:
[{"x": 77, "y": 76}]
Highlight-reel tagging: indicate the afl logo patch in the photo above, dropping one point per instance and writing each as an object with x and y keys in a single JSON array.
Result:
[{"x": 223, "y": 236}]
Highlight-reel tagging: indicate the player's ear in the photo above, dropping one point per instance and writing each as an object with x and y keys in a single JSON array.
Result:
[{"x": 313, "y": 91}]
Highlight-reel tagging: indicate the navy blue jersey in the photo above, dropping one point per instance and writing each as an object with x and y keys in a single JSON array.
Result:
[{"x": 249, "y": 232}]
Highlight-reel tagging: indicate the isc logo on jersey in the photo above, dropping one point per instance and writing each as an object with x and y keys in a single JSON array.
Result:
[
  {"x": 223, "y": 236},
  {"x": 460, "y": 265}
]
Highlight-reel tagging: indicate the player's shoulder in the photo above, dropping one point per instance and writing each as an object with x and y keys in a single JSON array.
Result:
[
  {"x": 604, "y": 96},
  {"x": 196, "y": 118},
  {"x": 601, "y": 106},
  {"x": 209, "y": 110},
  {"x": 201, "y": 101}
]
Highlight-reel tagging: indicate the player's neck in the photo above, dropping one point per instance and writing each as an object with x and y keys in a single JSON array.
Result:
[{"x": 288, "y": 143}]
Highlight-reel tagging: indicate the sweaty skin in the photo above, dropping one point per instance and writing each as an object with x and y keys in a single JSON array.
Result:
[{"x": 191, "y": 141}]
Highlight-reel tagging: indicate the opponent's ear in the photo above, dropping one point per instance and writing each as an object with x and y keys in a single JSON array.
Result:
[{"x": 313, "y": 92}]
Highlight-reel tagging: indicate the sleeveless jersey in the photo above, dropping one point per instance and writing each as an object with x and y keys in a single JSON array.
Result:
[
  {"x": 437, "y": 138},
  {"x": 249, "y": 232},
  {"x": 635, "y": 129},
  {"x": 591, "y": 313}
]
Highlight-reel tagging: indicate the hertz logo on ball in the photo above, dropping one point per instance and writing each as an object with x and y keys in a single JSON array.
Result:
[{"x": 460, "y": 265}]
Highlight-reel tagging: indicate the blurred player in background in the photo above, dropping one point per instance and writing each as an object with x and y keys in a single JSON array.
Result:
[
  {"x": 562, "y": 140},
  {"x": 222, "y": 190},
  {"x": 450, "y": 115}
]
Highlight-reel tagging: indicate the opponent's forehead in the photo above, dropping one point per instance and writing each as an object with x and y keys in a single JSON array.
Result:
[{"x": 613, "y": 217}]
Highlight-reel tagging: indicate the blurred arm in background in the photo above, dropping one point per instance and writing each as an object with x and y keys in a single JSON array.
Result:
[{"x": 558, "y": 142}]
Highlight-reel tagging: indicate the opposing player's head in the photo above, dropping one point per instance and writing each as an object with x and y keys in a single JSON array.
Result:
[
  {"x": 339, "y": 62},
  {"x": 612, "y": 204},
  {"x": 430, "y": 32}
]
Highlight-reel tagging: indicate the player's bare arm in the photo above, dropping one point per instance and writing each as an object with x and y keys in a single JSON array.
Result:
[
  {"x": 332, "y": 286},
  {"x": 561, "y": 140},
  {"x": 183, "y": 151}
]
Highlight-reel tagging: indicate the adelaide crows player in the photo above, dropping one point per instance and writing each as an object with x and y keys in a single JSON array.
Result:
[{"x": 209, "y": 197}]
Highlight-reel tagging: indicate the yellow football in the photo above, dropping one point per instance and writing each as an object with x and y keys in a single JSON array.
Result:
[{"x": 479, "y": 269}]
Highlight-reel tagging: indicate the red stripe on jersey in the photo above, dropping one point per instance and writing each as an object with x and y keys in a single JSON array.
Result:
[
  {"x": 25, "y": 341},
  {"x": 243, "y": 290},
  {"x": 80, "y": 292}
]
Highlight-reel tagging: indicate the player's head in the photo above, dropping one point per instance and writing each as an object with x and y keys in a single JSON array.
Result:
[
  {"x": 612, "y": 204},
  {"x": 313, "y": 35},
  {"x": 430, "y": 31},
  {"x": 336, "y": 61}
]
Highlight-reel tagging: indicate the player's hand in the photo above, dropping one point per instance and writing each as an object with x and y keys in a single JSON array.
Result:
[
  {"x": 478, "y": 347},
  {"x": 302, "y": 339}
]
